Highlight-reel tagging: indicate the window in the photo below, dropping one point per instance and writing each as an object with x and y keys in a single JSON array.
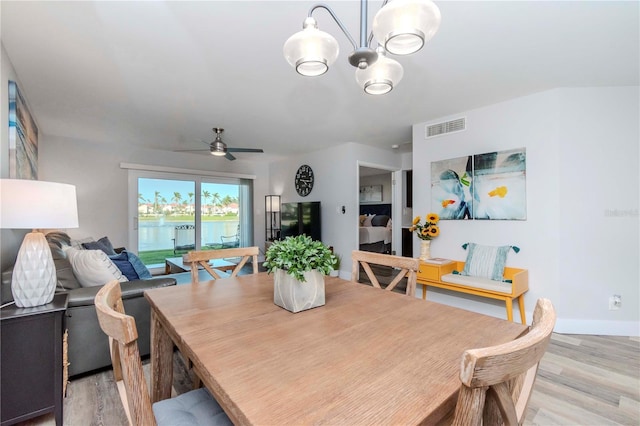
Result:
[{"x": 176, "y": 213}]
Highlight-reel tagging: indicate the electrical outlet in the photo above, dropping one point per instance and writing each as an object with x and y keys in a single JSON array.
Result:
[{"x": 615, "y": 302}]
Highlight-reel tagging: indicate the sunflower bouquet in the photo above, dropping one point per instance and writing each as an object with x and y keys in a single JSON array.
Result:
[{"x": 429, "y": 230}]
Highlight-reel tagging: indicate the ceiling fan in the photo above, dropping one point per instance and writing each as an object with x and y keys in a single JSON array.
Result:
[{"x": 219, "y": 148}]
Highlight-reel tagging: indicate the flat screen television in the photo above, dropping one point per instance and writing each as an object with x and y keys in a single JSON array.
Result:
[{"x": 301, "y": 218}]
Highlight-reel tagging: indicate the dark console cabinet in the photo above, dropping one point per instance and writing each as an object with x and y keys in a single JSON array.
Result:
[
  {"x": 407, "y": 242},
  {"x": 31, "y": 369}
]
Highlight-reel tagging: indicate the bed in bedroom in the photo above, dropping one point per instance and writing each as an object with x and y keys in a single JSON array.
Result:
[{"x": 375, "y": 228}]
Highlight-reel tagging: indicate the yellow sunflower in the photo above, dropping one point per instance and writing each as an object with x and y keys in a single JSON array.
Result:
[{"x": 433, "y": 217}]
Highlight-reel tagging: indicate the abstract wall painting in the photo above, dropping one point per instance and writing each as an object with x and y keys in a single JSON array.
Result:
[
  {"x": 23, "y": 137},
  {"x": 485, "y": 186},
  {"x": 371, "y": 193},
  {"x": 499, "y": 185},
  {"x": 451, "y": 188}
]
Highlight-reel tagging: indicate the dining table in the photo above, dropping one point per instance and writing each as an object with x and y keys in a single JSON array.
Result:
[{"x": 368, "y": 356}]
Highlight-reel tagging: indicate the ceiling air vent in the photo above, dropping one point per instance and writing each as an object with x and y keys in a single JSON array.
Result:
[{"x": 457, "y": 125}]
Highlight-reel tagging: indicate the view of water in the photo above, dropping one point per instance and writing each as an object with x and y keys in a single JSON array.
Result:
[{"x": 159, "y": 234}]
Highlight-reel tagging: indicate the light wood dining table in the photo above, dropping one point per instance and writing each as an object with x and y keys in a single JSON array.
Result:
[{"x": 368, "y": 356}]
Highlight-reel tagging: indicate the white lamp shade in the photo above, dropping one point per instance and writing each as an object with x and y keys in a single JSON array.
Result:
[
  {"x": 311, "y": 51},
  {"x": 381, "y": 77},
  {"x": 273, "y": 203},
  {"x": 35, "y": 204},
  {"x": 404, "y": 26}
]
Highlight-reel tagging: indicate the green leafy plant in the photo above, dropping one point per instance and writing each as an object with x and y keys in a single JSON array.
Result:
[
  {"x": 299, "y": 254},
  {"x": 336, "y": 264}
]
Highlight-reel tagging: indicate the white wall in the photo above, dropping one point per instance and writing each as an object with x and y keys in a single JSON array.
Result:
[
  {"x": 336, "y": 185},
  {"x": 582, "y": 161},
  {"x": 102, "y": 186}
]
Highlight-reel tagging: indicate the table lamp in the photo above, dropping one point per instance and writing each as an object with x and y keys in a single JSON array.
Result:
[{"x": 34, "y": 204}]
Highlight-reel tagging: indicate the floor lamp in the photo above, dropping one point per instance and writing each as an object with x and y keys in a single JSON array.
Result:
[{"x": 34, "y": 204}]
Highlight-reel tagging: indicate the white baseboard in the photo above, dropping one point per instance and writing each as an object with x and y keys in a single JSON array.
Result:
[{"x": 596, "y": 327}]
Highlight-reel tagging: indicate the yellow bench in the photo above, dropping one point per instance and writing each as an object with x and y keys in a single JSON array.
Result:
[{"x": 442, "y": 276}]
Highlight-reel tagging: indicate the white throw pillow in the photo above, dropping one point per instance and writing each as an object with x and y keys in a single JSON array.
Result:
[{"x": 93, "y": 267}]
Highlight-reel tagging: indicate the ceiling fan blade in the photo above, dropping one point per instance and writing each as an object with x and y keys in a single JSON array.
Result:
[
  {"x": 244, "y": 150},
  {"x": 228, "y": 156},
  {"x": 191, "y": 150}
]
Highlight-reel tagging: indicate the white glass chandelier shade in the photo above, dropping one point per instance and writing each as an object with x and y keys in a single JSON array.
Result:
[
  {"x": 311, "y": 51},
  {"x": 404, "y": 26},
  {"x": 381, "y": 77},
  {"x": 32, "y": 204}
]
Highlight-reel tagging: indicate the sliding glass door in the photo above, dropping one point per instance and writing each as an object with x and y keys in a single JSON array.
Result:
[{"x": 178, "y": 213}]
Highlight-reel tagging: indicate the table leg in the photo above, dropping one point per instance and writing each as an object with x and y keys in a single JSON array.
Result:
[
  {"x": 161, "y": 361},
  {"x": 424, "y": 292}
]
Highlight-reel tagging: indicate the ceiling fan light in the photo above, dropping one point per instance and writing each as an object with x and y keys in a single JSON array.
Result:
[
  {"x": 404, "y": 26},
  {"x": 380, "y": 77},
  {"x": 218, "y": 148},
  {"x": 311, "y": 51}
]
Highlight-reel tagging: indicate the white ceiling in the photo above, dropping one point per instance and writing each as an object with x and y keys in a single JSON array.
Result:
[{"x": 162, "y": 74}]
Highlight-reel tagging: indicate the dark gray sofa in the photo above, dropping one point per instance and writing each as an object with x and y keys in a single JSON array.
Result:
[{"x": 88, "y": 346}]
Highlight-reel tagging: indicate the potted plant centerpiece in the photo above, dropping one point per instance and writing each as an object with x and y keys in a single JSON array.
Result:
[{"x": 299, "y": 265}]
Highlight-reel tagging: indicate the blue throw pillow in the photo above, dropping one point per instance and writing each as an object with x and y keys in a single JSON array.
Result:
[
  {"x": 122, "y": 262},
  {"x": 485, "y": 261},
  {"x": 139, "y": 267},
  {"x": 102, "y": 244}
]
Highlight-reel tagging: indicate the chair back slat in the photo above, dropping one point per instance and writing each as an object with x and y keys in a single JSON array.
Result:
[
  {"x": 497, "y": 381},
  {"x": 407, "y": 267},
  {"x": 125, "y": 356},
  {"x": 202, "y": 258}
]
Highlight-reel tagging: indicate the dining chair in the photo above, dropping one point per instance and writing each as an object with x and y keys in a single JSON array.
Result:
[
  {"x": 407, "y": 266},
  {"x": 196, "y": 407},
  {"x": 202, "y": 258},
  {"x": 497, "y": 381}
]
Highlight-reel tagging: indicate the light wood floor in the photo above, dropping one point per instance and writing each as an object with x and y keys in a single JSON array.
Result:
[{"x": 582, "y": 380}]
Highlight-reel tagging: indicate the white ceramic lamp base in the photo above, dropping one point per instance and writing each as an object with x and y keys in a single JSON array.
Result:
[{"x": 34, "y": 276}]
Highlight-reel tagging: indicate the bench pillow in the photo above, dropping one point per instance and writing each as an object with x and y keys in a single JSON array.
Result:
[{"x": 485, "y": 261}]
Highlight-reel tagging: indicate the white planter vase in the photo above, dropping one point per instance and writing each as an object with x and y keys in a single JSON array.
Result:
[
  {"x": 425, "y": 249},
  {"x": 296, "y": 296}
]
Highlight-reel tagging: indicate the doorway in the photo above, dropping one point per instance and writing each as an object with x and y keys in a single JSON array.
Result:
[{"x": 376, "y": 195}]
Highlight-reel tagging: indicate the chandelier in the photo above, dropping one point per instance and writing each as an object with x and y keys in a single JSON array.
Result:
[{"x": 400, "y": 27}]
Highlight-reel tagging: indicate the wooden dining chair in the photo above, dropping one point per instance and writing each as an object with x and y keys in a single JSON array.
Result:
[
  {"x": 202, "y": 258},
  {"x": 497, "y": 381},
  {"x": 195, "y": 407},
  {"x": 407, "y": 266}
]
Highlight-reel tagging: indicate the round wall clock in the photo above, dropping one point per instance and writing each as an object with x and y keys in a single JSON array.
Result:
[{"x": 304, "y": 180}]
